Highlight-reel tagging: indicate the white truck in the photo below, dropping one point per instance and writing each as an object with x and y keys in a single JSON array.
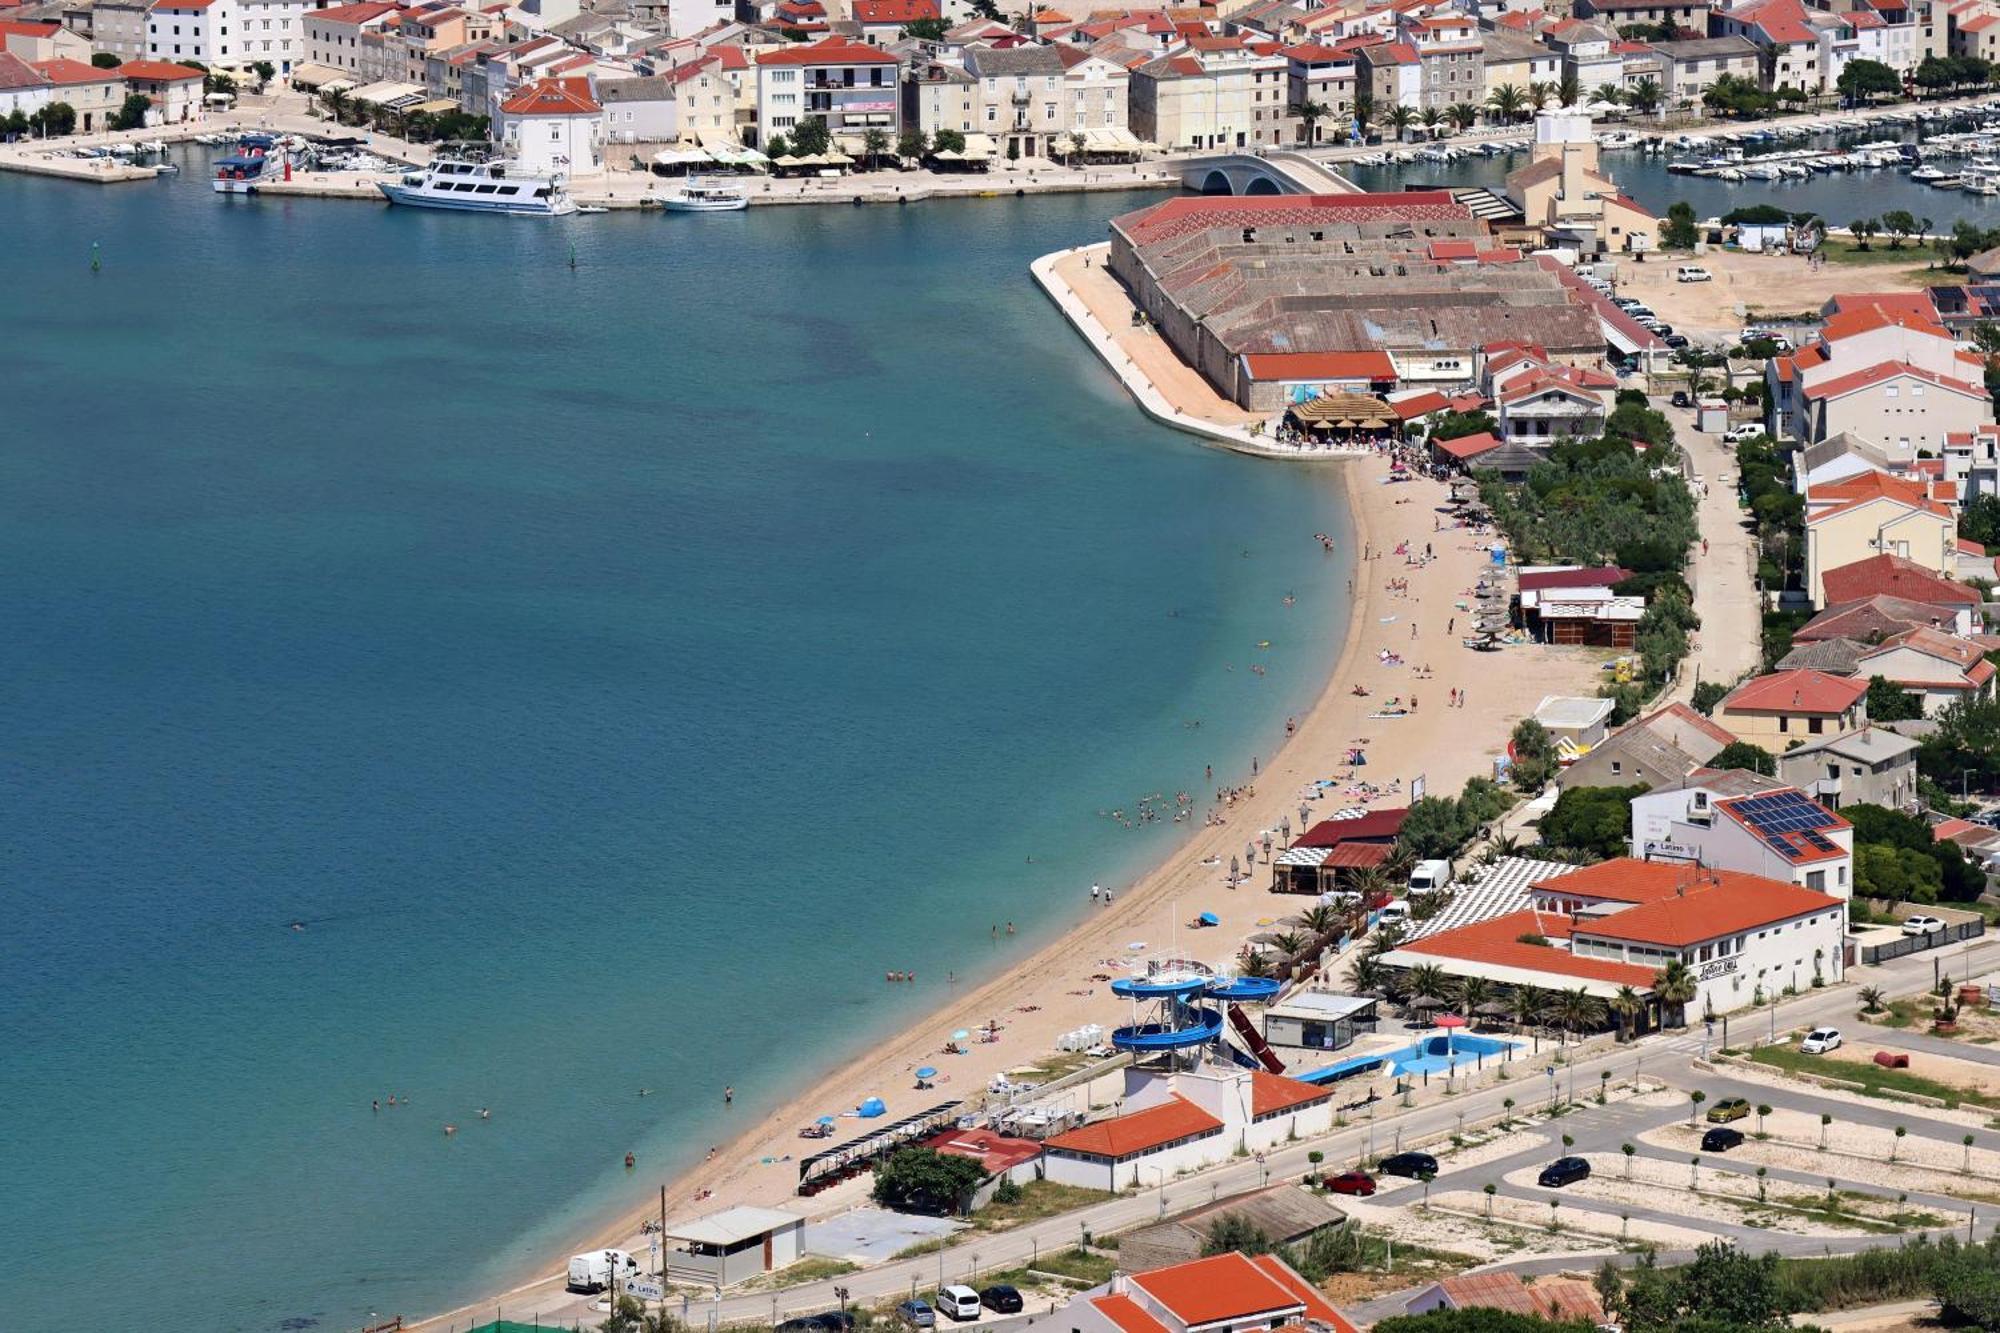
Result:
[
  {"x": 592, "y": 1272},
  {"x": 1427, "y": 876}
]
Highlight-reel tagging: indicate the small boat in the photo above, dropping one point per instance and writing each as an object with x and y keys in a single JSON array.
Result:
[
  {"x": 242, "y": 173},
  {"x": 165, "y": 168},
  {"x": 701, "y": 195},
  {"x": 151, "y": 145}
]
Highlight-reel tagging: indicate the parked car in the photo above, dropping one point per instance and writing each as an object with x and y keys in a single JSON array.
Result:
[
  {"x": 959, "y": 1302},
  {"x": 593, "y": 1271},
  {"x": 805, "y": 1323},
  {"x": 1681, "y": 398},
  {"x": 1749, "y": 430},
  {"x": 1414, "y": 1165},
  {"x": 1677, "y": 341},
  {"x": 1563, "y": 1171},
  {"x": 835, "y": 1321},
  {"x": 1721, "y": 1139},
  {"x": 917, "y": 1314},
  {"x": 1922, "y": 925},
  {"x": 1660, "y": 327},
  {"x": 1358, "y": 1183},
  {"x": 1692, "y": 273},
  {"x": 1820, "y": 1040},
  {"x": 1728, "y": 1109},
  {"x": 1001, "y": 1299}
]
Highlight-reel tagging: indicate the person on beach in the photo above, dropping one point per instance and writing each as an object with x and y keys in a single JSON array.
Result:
[
  {"x": 728, "y": 1096},
  {"x": 1096, "y": 890}
]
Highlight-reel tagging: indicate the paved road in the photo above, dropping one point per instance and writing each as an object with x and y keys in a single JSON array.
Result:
[
  {"x": 1730, "y": 640},
  {"x": 1598, "y": 1129},
  {"x": 1902, "y": 1039}
]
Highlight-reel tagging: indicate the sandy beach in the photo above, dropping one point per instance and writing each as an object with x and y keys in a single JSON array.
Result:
[{"x": 1402, "y": 605}]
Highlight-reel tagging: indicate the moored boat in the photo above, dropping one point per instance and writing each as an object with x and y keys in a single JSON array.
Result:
[
  {"x": 701, "y": 195},
  {"x": 480, "y": 187}
]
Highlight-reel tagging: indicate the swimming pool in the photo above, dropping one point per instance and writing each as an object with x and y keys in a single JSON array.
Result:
[{"x": 1426, "y": 1055}]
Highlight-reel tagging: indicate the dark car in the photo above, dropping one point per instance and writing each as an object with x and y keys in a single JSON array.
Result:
[
  {"x": 1001, "y": 1299},
  {"x": 1358, "y": 1183},
  {"x": 1563, "y": 1171},
  {"x": 917, "y": 1314},
  {"x": 803, "y": 1324},
  {"x": 1414, "y": 1165},
  {"x": 1677, "y": 341},
  {"x": 1721, "y": 1139},
  {"x": 1681, "y": 398},
  {"x": 835, "y": 1321}
]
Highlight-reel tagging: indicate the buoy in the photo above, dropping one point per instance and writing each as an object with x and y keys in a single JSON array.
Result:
[{"x": 95, "y": 263}]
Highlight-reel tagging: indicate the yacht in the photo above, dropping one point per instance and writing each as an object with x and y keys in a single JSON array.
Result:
[
  {"x": 481, "y": 187},
  {"x": 701, "y": 195},
  {"x": 242, "y": 173}
]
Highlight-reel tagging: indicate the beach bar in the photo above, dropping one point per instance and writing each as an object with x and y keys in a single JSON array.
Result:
[
  {"x": 734, "y": 1245},
  {"x": 1319, "y": 1020}
]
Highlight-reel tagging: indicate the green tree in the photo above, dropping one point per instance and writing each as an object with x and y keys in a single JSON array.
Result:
[
  {"x": 1890, "y": 702},
  {"x": 1626, "y": 1006},
  {"x": 1707, "y": 695},
  {"x": 1742, "y": 754},
  {"x": 105, "y": 60},
  {"x": 54, "y": 120},
  {"x": 1675, "y": 987},
  {"x": 875, "y": 146},
  {"x": 810, "y": 137},
  {"x": 925, "y": 30},
  {"x": 1644, "y": 96},
  {"x": 1569, "y": 90},
  {"x": 1478, "y": 1319},
  {"x": 1901, "y": 224},
  {"x": 1507, "y": 102},
  {"x": 1862, "y": 229},
  {"x": 987, "y": 9},
  {"x": 1579, "y": 1011},
  {"x": 1364, "y": 112},
  {"x": 911, "y": 145},
  {"x": 1980, "y": 519},
  {"x": 1399, "y": 119},
  {"x": 131, "y": 114},
  {"x": 1234, "y": 1233},
  {"x": 1595, "y": 820},
  {"x": 1310, "y": 114},
  {"x": 1861, "y": 80},
  {"x": 1434, "y": 827},
  {"x": 947, "y": 141},
  {"x": 921, "y": 1180},
  {"x": 1679, "y": 232},
  {"x": 1462, "y": 115},
  {"x": 265, "y": 72}
]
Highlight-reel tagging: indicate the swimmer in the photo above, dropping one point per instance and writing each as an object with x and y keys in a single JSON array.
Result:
[
  {"x": 485, "y": 1114},
  {"x": 450, "y": 1130}
]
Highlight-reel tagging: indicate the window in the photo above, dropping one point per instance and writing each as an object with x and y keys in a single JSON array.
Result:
[{"x": 555, "y": 134}]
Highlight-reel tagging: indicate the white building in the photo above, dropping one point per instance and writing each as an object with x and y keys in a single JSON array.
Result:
[
  {"x": 229, "y": 34},
  {"x": 553, "y": 127},
  {"x": 1185, "y": 1120},
  {"x": 1226, "y": 1293},
  {"x": 1737, "y": 821},
  {"x": 21, "y": 88}
]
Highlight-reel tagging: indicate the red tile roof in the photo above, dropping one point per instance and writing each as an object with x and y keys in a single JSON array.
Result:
[
  {"x": 1317, "y": 1308},
  {"x": 18, "y": 73},
  {"x": 1623, "y": 879},
  {"x": 157, "y": 71},
  {"x": 1274, "y": 1092},
  {"x": 895, "y": 11},
  {"x": 1127, "y": 1314},
  {"x": 1370, "y": 366},
  {"x": 66, "y": 72},
  {"x": 1551, "y": 1298},
  {"x": 1794, "y": 692},
  {"x": 1468, "y": 446},
  {"x": 553, "y": 97},
  {"x": 1894, "y": 576},
  {"x": 1841, "y": 385},
  {"x": 1208, "y": 1291},
  {"x": 829, "y": 51},
  {"x": 1421, "y": 404},
  {"x": 1187, "y": 214},
  {"x": 1728, "y": 904},
  {"x": 1680, "y": 712},
  {"x": 1127, "y": 1135},
  {"x": 1381, "y": 824},
  {"x": 1498, "y": 941},
  {"x": 995, "y": 1152},
  {"x": 1597, "y": 576}
]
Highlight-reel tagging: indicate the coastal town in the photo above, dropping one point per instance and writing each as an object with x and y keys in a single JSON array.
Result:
[{"x": 1611, "y": 942}]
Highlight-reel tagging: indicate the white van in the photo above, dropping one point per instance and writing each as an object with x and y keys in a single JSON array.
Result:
[
  {"x": 960, "y": 1303},
  {"x": 1427, "y": 876},
  {"x": 593, "y": 1271},
  {"x": 1692, "y": 273}
]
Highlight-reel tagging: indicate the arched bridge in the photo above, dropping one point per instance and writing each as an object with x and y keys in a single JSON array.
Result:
[{"x": 1275, "y": 172}]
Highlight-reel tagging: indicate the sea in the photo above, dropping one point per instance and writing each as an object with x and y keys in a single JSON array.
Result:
[{"x": 511, "y": 664}]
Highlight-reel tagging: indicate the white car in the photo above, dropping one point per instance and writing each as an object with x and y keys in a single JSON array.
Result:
[
  {"x": 1692, "y": 273},
  {"x": 1749, "y": 430},
  {"x": 1820, "y": 1040},
  {"x": 1922, "y": 925}
]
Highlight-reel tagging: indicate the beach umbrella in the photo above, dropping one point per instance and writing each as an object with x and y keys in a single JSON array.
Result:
[
  {"x": 871, "y": 1108},
  {"x": 826, "y": 1120},
  {"x": 1209, "y": 919},
  {"x": 960, "y": 1035},
  {"x": 1492, "y": 1009},
  {"x": 1426, "y": 1002},
  {"x": 1447, "y": 1021},
  {"x": 927, "y": 1072}
]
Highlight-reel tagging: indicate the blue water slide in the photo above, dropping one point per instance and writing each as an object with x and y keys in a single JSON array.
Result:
[
  {"x": 1255, "y": 989},
  {"x": 1204, "y": 1026},
  {"x": 1333, "y": 1073},
  {"x": 1156, "y": 988}
]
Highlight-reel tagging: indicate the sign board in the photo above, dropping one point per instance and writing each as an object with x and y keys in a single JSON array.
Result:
[
  {"x": 1658, "y": 849},
  {"x": 646, "y": 1289},
  {"x": 1721, "y": 967},
  {"x": 1416, "y": 789}
]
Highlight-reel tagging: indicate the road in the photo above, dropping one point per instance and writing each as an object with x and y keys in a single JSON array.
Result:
[
  {"x": 1669, "y": 1058},
  {"x": 1729, "y": 643}
]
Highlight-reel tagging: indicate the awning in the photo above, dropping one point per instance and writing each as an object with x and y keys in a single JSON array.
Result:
[
  {"x": 319, "y": 77},
  {"x": 436, "y": 106},
  {"x": 679, "y": 157},
  {"x": 978, "y": 146},
  {"x": 1106, "y": 139},
  {"x": 389, "y": 95}
]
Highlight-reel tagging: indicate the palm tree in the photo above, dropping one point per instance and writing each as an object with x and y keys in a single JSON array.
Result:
[
  {"x": 1578, "y": 1009},
  {"x": 1312, "y": 113},
  {"x": 1400, "y": 118},
  {"x": 1402, "y": 859},
  {"x": 1529, "y": 1003},
  {"x": 1507, "y": 102},
  {"x": 1321, "y": 918},
  {"x": 874, "y": 146},
  {"x": 1674, "y": 986},
  {"x": 1871, "y": 999},
  {"x": 1569, "y": 90},
  {"x": 1425, "y": 979},
  {"x": 1627, "y": 1005},
  {"x": 1610, "y": 92},
  {"x": 336, "y": 102},
  {"x": 1644, "y": 96},
  {"x": 1290, "y": 943},
  {"x": 1364, "y": 112},
  {"x": 1367, "y": 974},
  {"x": 1371, "y": 883},
  {"x": 1432, "y": 118},
  {"x": 1473, "y": 992},
  {"x": 1255, "y": 964},
  {"x": 1463, "y": 115},
  {"x": 1539, "y": 93},
  {"x": 1386, "y": 937}
]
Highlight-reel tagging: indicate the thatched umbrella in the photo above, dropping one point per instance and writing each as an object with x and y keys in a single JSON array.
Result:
[{"x": 1425, "y": 1002}]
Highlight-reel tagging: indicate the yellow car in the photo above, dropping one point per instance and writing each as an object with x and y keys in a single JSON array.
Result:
[{"x": 1728, "y": 1109}]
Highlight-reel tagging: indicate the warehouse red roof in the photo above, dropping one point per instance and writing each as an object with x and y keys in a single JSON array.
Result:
[
  {"x": 995, "y": 1152},
  {"x": 1468, "y": 446},
  {"x": 1897, "y": 577},
  {"x": 1127, "y": 1314},
  {"x": 829, "y": 51},
  {"x": 1380, "y": 824},
  {"x": 895, "y": 11},
  {"x": 157, "y": 71},
  {"x": 1128, "y": 1135},
  {"x": 1226, "y": 1287},
  {"x": 553, "y": 97},
  {"x": 1369, "y": 366},
  {"x": 1272, "y": 1092},
  {"x": 1722, "y": 903},
  {"x": 1499, "y": 942}
]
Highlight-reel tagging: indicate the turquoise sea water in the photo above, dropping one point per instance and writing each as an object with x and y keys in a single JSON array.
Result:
[{"x": 614, "y": 669}]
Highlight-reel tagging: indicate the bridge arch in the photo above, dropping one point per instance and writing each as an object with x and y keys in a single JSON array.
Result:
[
  {"x": 1217, "y": 182},
  {"x": 1261, "y": 184}
]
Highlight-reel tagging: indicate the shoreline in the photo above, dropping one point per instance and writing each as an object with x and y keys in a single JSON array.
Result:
[{"x": 1038, "y": 997}]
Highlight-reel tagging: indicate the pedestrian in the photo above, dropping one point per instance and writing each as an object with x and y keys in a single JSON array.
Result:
[
  {"x": 728, "y": 1096},
  {"x": 1095, "y": 889}
]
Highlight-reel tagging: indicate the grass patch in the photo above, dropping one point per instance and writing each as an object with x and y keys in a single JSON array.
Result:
[
  {"x": 922, "y": 1247},
  {"x": 1841, "y": 251},
  {"x": 1080, "y": 1267},
  {"x": 810, "y": 1269},
  {"x": 1873, "y": 1078},
  {"x": 1897, "y": 1014},
  {"x": 1039, "y": 1199}
]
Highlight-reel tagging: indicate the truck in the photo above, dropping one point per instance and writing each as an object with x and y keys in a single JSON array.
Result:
[
  {"x": 1427, "y": 876},
  {"x": 593, "y": 1271}
]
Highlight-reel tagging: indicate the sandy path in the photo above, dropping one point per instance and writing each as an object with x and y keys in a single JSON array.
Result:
[{"x": 1446, "y": 745}]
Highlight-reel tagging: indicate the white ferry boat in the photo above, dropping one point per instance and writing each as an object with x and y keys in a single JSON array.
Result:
[
  {"x": 701, "y": 195},
  {"x": 242, "y": 173},
  {"x": 481, "y": 187}
]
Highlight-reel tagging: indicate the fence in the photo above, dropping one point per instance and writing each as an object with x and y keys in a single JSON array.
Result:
[{"x": 1909, "y": 944}]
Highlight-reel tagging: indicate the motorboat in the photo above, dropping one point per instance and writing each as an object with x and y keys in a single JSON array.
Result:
[
  {"x": 702, "y": 195},
  {"x": 243, "y": 173},
  {"x": 480, "y": 187}
]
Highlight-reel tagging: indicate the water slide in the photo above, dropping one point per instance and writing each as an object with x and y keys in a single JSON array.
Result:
[{"x": 1254, "y": 1040}]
